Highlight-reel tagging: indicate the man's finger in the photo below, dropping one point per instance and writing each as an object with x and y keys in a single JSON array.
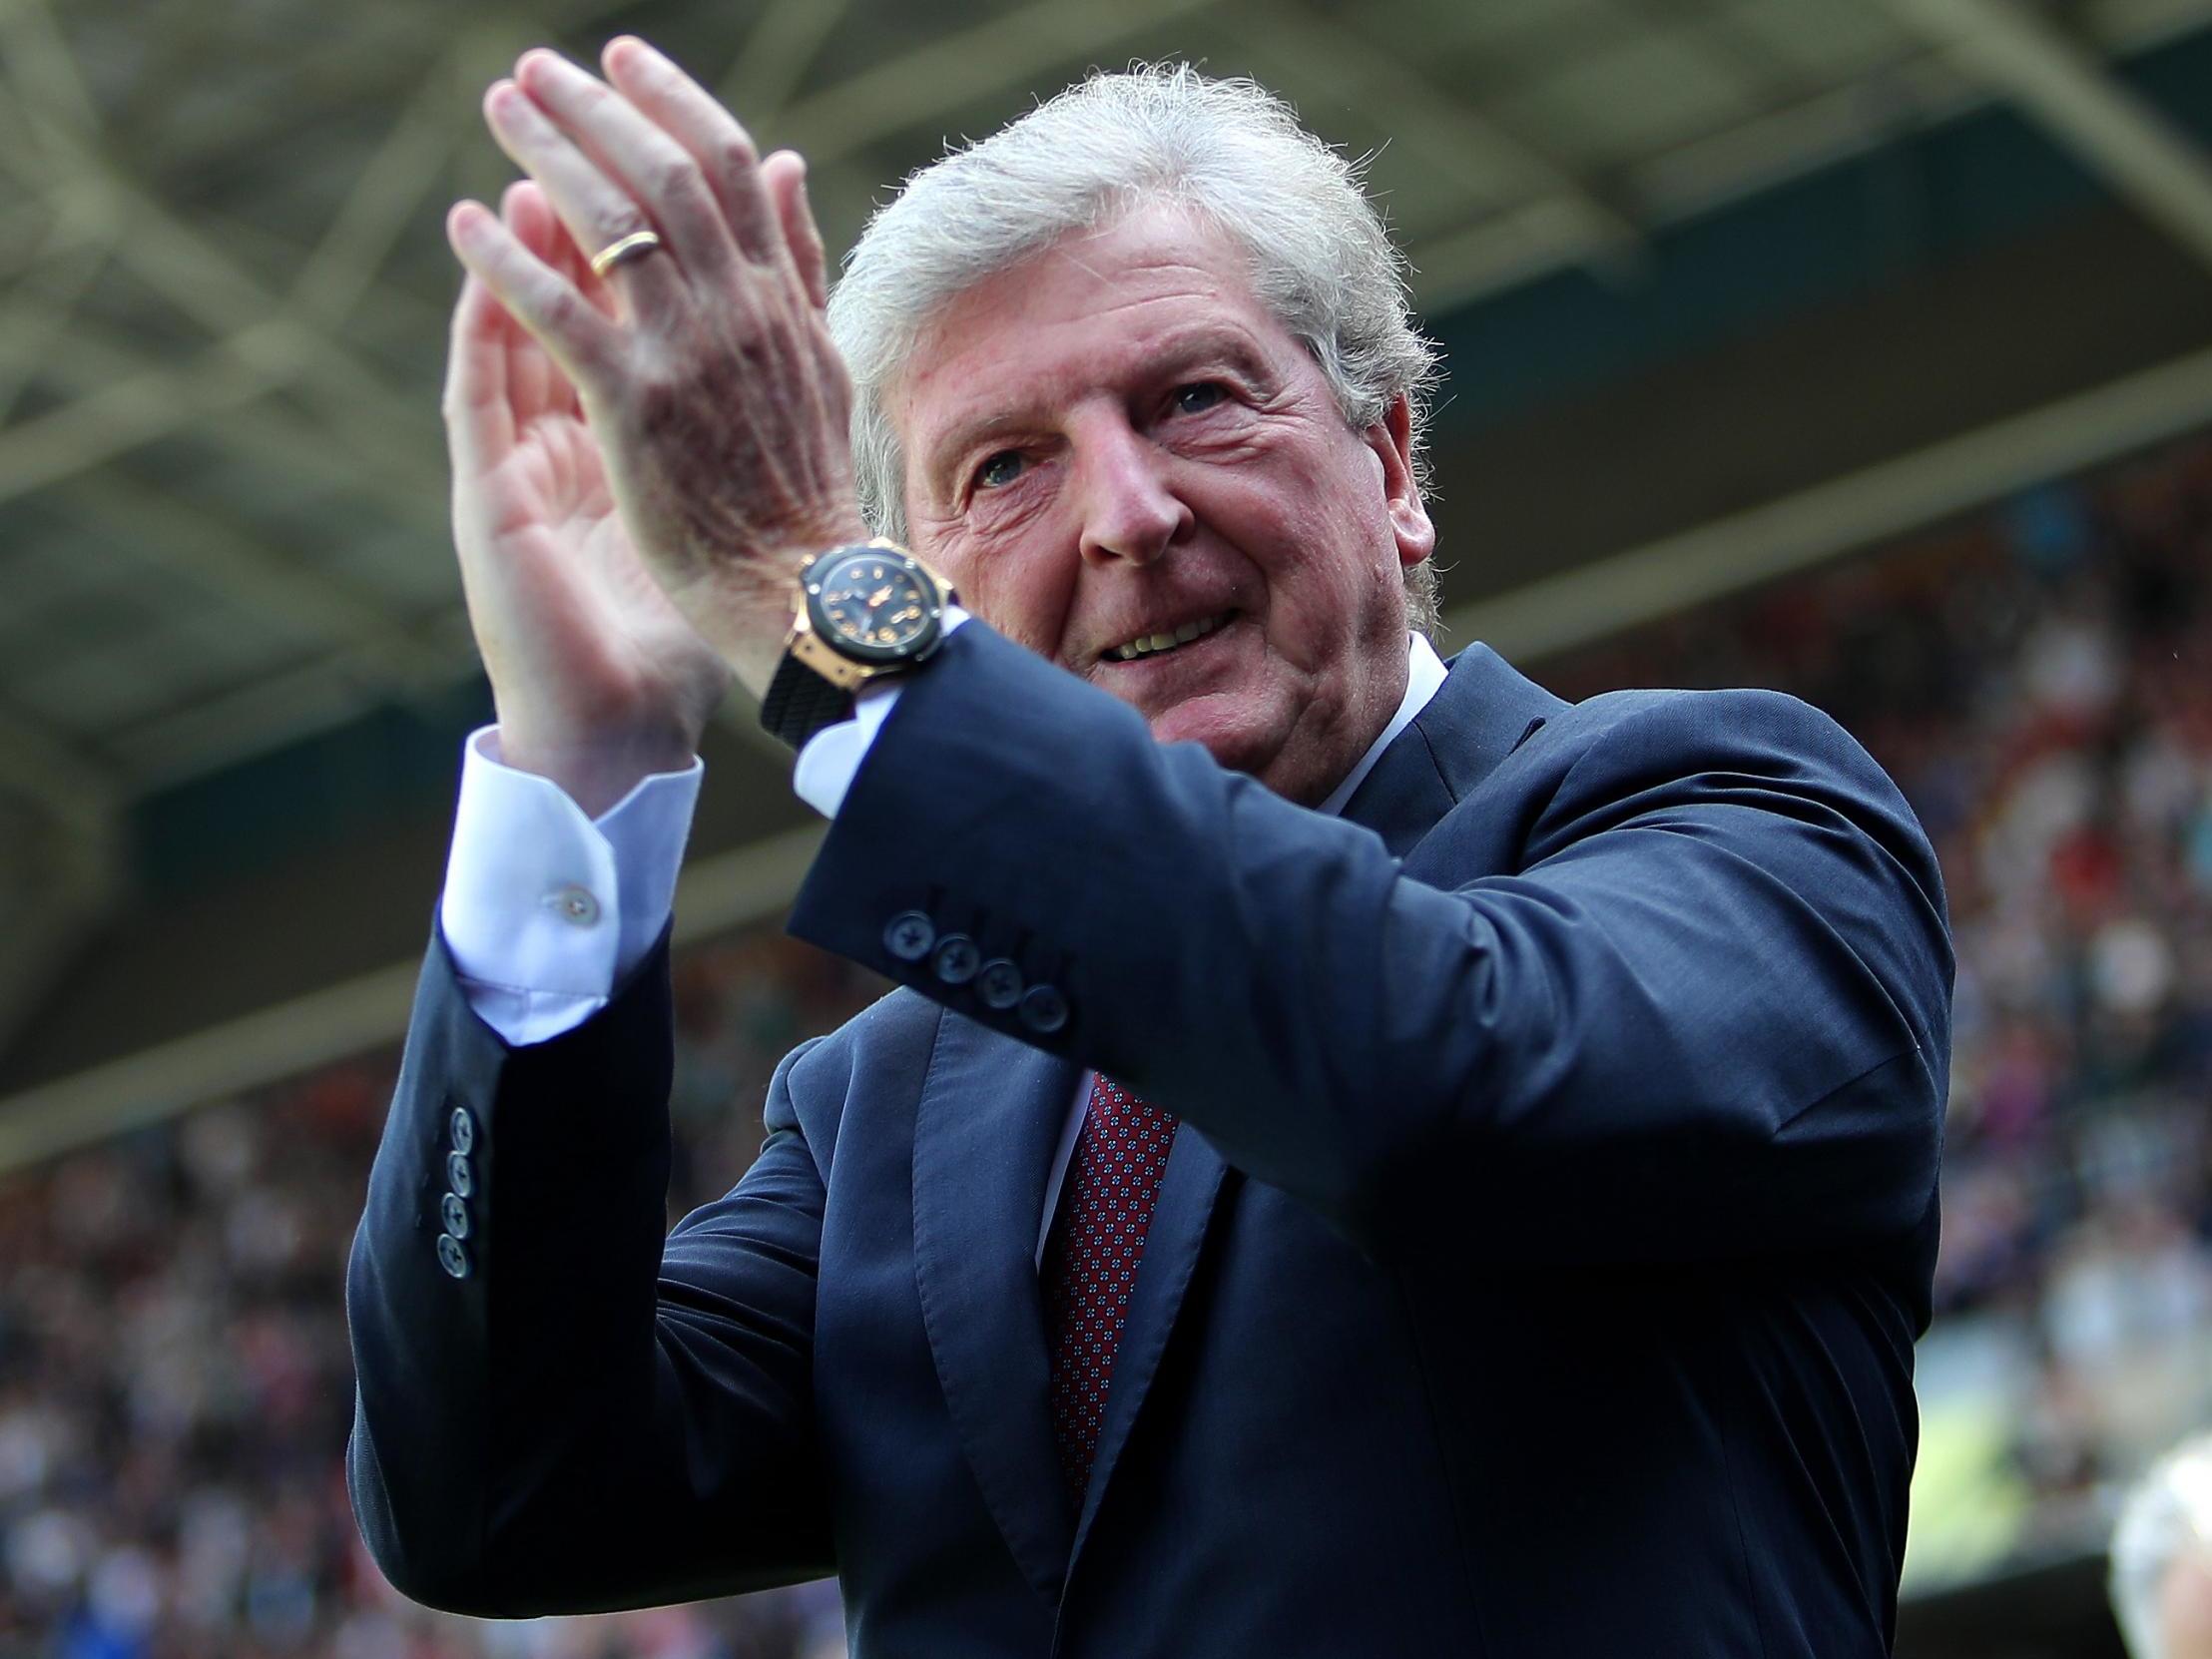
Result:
[
  {"x": 581, "y": 341},
  {"x": 542, "y": 232},
  {"x": 656, "y": 170},
  {"x": 530, "y": 373},
  {"x": 691, "y": 116},
  {"x": 785, "y": 174},
  {"x": 597, "y": 211},
  {"x": 479, "y": 419}
]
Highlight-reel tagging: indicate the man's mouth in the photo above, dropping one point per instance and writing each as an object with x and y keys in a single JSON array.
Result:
[{"x": 1153, "y": 645}]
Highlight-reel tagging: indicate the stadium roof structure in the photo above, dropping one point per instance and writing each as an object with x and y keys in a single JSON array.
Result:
[{"x": 1726, "y": 287}]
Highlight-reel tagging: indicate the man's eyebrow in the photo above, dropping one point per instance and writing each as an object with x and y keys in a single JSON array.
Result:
[
  {"x": 1211, "y": 342},
  {"x": 1174, "y": 356},
  {"x": 960, "y": 439}
]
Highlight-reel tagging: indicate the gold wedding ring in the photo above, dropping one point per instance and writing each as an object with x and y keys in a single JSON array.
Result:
[{"x": 631, "y": 246}]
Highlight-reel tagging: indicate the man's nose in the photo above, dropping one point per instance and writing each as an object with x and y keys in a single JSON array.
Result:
[{"x": 1130, "y": 509}]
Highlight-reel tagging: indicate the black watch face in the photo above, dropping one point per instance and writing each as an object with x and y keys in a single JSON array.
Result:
[{"x": 873, "y": 604}]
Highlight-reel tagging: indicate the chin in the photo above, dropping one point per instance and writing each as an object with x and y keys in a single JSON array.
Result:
[{"x": 1238, "y": 738}]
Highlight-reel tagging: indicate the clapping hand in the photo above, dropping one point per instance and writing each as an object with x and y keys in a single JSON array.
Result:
[{"x": 640, "y": 458}]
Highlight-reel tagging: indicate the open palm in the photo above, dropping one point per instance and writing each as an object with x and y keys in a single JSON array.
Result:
[{"x": 597, "y": 676}]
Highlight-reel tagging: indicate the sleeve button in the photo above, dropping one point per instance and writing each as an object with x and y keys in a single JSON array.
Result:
[
  {"x": 461, "y": 1130},
  {"x": 957, "y": 959},
  {"x": 451, "y": 1256},
  {"x": 1043, "y": 1009},
  {"x": 909, "y": 935},
  {"x": 999, "y": 984},
  {"x": 454, "y": 1213},
  {"x": 460, "y": 1175}
]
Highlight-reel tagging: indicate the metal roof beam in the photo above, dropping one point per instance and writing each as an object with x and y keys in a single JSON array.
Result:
[
  {"x": 386, "y": 194},
  {"x": 126, "y": 412},
  {"x": 776, "y": 56},
  {"x": 2074, "y": 97},
  {"x": 264, "y": 710},
  {"x": 1567, "y": 218},
  {"x": 124, "y": 403},
  {"x": 408, "y": 491},
  {"x": 40, "y": 308},
  {"x": 957, "y": 67},
  {"x": 370, "y": 416},
  {"x": 43, "y": 69},
  {"x": 1860, "y": 509},
  {"x": 378, "y": 67},
  {"x": 1549, "y": 234},
  {"x": 49, "y": 226},
  {"x": 160, "y": 527},
  {"x": 48, "y": 764}
]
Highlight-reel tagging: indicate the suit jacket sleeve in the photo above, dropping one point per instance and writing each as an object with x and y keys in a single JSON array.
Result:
[
  {"x": 1698, "y": 1005},
  {"x": 599, "y": 1413}
]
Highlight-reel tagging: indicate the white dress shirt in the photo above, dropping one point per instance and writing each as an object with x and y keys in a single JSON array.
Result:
[{"x": 545, "y": 910}]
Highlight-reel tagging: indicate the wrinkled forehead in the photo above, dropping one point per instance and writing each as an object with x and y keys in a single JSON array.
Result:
[{"x": 1089, "y": 302}]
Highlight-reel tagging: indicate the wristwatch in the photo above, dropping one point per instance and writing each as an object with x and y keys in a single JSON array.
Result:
[{"x": 860, "y": 613}]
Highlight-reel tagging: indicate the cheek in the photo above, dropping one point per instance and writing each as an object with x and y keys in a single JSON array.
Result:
[
  {"x": 1313, "y": 507},
  {"x": 1321, "y": 558},
  {"x": 1020, "y": 594}
]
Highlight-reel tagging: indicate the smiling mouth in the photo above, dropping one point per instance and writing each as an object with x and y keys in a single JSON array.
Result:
[{"x": 1157, "y": 645}]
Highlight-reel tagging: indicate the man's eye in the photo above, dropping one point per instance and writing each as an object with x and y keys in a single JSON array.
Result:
[
  {"x": 999, "y": 471},
  {"x": 1198, "y": 397}
]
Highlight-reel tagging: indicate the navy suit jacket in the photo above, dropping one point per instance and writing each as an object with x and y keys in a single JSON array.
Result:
[{"x": 1535, "y": 1270}]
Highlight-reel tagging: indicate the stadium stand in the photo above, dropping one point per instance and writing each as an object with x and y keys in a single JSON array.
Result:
[
  {"x": 2033, "y": 678},
  {"x": 174, "y": 1388},
  {"x": 175, "y": 1383}
]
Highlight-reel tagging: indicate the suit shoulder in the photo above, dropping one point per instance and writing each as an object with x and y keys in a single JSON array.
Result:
[
  {"x": 1639, "y": 734},
  {"x": 1726, "y": 719},
  {"x": 811, "y": 1084},
  {"x": 1625, "y": 751},
  {"x": 898, "y": 1021}
]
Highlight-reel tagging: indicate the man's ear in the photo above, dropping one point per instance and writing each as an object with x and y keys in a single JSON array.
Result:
[{"x": 1392, "y": 439}]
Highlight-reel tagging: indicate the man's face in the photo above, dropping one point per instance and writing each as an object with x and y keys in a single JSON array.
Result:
[{"x": 1116, "y": 440}]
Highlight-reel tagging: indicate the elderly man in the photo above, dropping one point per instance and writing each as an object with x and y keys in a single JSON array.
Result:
[{"x": 1364, "y": 1157}]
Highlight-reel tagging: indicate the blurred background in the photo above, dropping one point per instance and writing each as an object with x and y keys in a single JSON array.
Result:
[{"x": 1857, "y": 347}]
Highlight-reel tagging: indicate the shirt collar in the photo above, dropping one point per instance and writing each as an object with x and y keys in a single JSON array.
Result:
[{"x": 1425, "y": 677}]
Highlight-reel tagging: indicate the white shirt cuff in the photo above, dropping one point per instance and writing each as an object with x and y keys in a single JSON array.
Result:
[
  {"x": 830, "y": 759},
  {"x": 545, "y": 910}
]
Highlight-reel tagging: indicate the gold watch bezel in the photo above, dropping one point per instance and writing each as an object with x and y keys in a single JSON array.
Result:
[{"x": 808, "y": 645}]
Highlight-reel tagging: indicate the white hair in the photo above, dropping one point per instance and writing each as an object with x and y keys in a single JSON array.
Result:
[
  {"x": 2165, "y": 1517},
  {"x": 1227, "y": 151}
]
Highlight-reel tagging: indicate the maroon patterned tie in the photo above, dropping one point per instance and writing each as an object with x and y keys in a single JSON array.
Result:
[{"x": 1091, "y": 1260}]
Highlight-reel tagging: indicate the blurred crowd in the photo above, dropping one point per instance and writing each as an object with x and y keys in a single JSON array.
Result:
[
  {"x": 2038, "y": 681},
  {"x": 175, "y": 1387},
  {"x": 173, "y": 1374}
]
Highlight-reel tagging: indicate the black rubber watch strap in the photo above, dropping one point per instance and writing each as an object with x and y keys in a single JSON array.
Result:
[{"x": 801, "y": 703}]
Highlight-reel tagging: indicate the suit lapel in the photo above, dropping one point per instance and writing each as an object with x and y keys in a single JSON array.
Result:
[
  {"x": 990, "y": 1115},
  {"x": 1484, "y": 709}
]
